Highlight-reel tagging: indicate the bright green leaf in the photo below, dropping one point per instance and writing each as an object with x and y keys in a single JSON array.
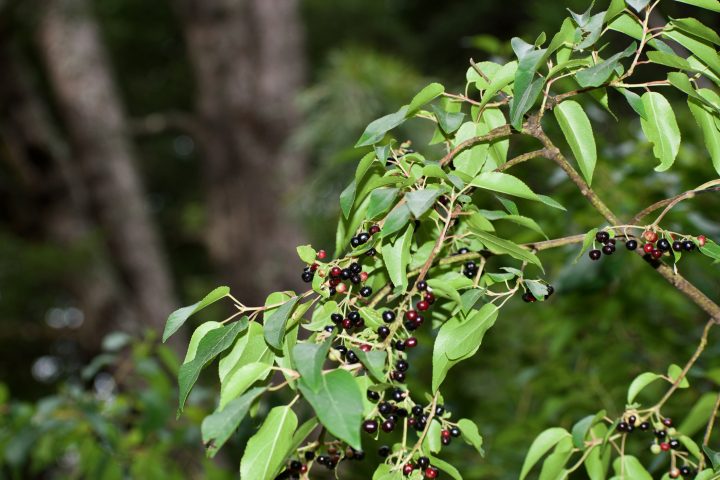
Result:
[
  {"x": 576, "y": 127},
  {"x": 220, "y": 425},
  {"x": 267, "y": 450},
  {"x": 178, "y": 317},
  {"x": 661, "y": 129},
  {"x": 544, "y": 442},
  {"x": 276, "y": 322}
]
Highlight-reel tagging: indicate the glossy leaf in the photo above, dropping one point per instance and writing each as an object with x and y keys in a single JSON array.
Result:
[
  {"x": 600, "y": 73},
  {"x": 504, "y": 183},
  {"x": 419, "y": 201},
  {"x": 697, "y": 28},
  {"x": 700, "y": 48},
  {"x": 381, "y": 199},
  {"x": 267, "y": 450},
  {"x": 276, "y": 322},
  {"x": 578, "y": 132},
  {"x": 338, "y": 405},
  {"x": 373, "y": 361},
  {"x": 631, "y": 467},
  {"x": 500, "y": 246},
  {"x": 308, "y": 360},
  {"x": 713, "y": 5},
  {"x": 377, "y": 129},
  {"x": 707, "y": 121},
  {"x": 661, "y": 129},
  {"x": 241, "y": 379},
  {"x": 220, "y": 425},
  {"x": 540, "y": 446},
  {"x": 639, "y": 383},
  {"x": 458, "y": 339},
  {"x": 212, "y": 344},
  {"x": 178, "y": 317},
  {"x": 397, "y": 257},
  {"x": 470, "y": 434},
  {"x": 396, "y": 220},
  {"x": 425, "y": 95}
]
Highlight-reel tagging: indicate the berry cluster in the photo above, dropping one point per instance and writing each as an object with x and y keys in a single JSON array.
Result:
[
  {"x": 654, "y": 247},
  {"x": 664, "y": 441},
  {"x": 330, "y": 459}
]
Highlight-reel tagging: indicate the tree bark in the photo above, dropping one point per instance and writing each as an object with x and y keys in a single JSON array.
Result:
[
  {"x": 103, "y": 155},
  {"x": 249, "y": 64}
]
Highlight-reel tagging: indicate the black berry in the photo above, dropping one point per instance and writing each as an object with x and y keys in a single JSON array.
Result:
[
  {"x": 366, "y": 291},
  {"x": 370, "y": 426},
  {"x": 688, "y": 246},
  {"x": 608, "y": 249},
  {"x": 677, "y": 245},
  {"x": 602, "y": 236},
  {"x": 463, "y": 251},
  {"x": 388, "y": 316},
  {"x": 355, "y": 268},
  {"x": 400, "y": 345},
  {"x": 663, "y": 245},
  {"x": 336, "y": 317},
  {"x": 631, "y": 244},
  {"x": 423, "y": 462},
  {"x": 421, "y": 285},
  {"x": 674, "y": 444},
  {"x": 307, "y": 277},
  {"x": 383, "y": 332},
  {"x": 594, "y": 254},
  {"x": 352, "y": 357},
  {"x": 373, "y": 396},
  {"x": 388, "y": 426},
  {"x": 528, "y": 297},
  {"x": 363, "y": 237},
  {"x": 402, "y": 365},
  {"x": 455, "y": 432},
  {"x": 384, "y": 451},
  {"x": 354, "y": 242},
  {"x": 385, "y": 408}
]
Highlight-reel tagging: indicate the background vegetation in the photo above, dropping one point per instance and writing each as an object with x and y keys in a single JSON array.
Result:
[{"x": 152, "y": 150}]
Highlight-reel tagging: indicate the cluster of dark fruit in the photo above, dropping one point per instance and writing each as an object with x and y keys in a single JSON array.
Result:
[
  {"x": 330, "y": 460},
  {"x": 353, "y": 273},
  {"x": 348, "y": 355},
  {"x": 470, "y": 268},
  {"x": 528, "y": 297},
  {"x": 423, "y": 464},
  {"x": 654, "y": 248},
  {"x": 608, "y": 245},
  {"x": 390, "y": 412},
  {"x": 663, "y": 441},
  {"x": 363, "y": 237}
]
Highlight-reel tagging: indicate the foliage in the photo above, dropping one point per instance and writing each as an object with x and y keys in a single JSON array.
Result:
[{"x": 420, "y": 225}]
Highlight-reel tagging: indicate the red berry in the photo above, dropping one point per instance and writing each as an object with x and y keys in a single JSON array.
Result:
[
  {"x": 702, "y": 239},
  {"x": 313, "y": 267},
  {"x": 648, "y": 247},
  {"x": 431, "y": 472},
  {"x": 674, "y": 473},
  {"x": 650, "y": 236},
  {"x": 445, "y": 433},
  {"x": 411, "y": 342},
  {"x": 321, "y": 254},
  {"x": 665, "y": 446},
  {"x": 374, "y": 229},
  {"x": 303, "y": 469},
  {"x": 363, "y": 276},
  {"x": 334, "y": 282},
  {"x": 365, "y": 347},
  {"x": 411, "y": 315},
  {"x": 422, "y": 305},
  {"x": 656, "y": 253},
  {"x": 408, "y": 468},
  {"x": 347, "y": 323},
  {"x": 430, "y": 298},
  {"x": 335, "y": 271},
  {"x": 341, "y": 288}
]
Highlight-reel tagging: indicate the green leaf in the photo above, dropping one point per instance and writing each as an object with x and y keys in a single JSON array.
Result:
[
  {"x": 306, "y": 253},
  {"x": 695, "y": 27},
  {"x": 713, "y": 5},
  {"x": 711, "y": 249},
  {"x": 338, "y": 405},
  {"x": 471, "y": 435},
  {"x": 674, "y": 372},
  {"x": 504, "y": 183},
  {"x": 638, "y": 5},
  {"x": 707, "y": 122},
  {"x": 459, "y": 339},
  {"x": 576, "y": 127},
  {"x": 525, "y": 222},
  {"x": 449, "y": 121},
  {"x": 178, "y": 317},
  {"x": 267, "y": 450},
  {"x": 670, "y": 60},
  {"x": 381, "y": 199},
  {"x": 582, "y": 427},
  {"x": 397, "y": 257},
  {"x": 698, "y": 47},
  {"x": 249, "y": 348},
  {"x": 661, "y": 129},
  {"x": 419, "y": 201},
  {"x": 587, "y": 241},
  {"x": 432, "y": 441},
  {"x": 640, "y": 382},
  {"x": 212, "y": 344},
  {"x": 551, "y": 202},
  {"x": 373, "y": 361},
  {"x": 500, "y": 246},
  {"x": 446, "y": 467},
  {"x": 544, "y": 442},
  {"x": 240, "y": 379},
  {"x": 713, "y": 456},
  {"x": 377, "y": 129},
  {"x": 425, "y": 95},
  {"x": 347, "y": 198},
  {"x": 198, "y": 335},
  {"x": 595, "y": 465},
  {"x": 396, "y": 219},
  {"x": 302, "y": 433},
  {"x": 220, "y": 425},
  {"x": 634, "y": 100},
  {"x": 521, "y": 104},
  {"x": 275, "y": 324},
  {"x": 500, "y": 80},
  {"x": 631, "y": 467},
  {"x": 308, "y": 360},
  {"x": 698, "y": 415},
  {"x": 690, "y": 445},
  {"x": 599, "y": 74}
]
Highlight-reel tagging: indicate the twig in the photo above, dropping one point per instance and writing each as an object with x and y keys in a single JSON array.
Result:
[
  {"x": 709, "y": 428},
  {"x": 494, "y": 134}
]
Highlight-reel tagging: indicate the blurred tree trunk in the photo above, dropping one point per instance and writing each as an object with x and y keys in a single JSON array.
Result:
[
  {"x": 48, "y": 187},
  {"x": 103, "y": 155},
  {"x": 248, "y": 59}
]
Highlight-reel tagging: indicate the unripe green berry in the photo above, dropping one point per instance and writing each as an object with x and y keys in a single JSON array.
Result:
[{"x": 655, "y": 449}]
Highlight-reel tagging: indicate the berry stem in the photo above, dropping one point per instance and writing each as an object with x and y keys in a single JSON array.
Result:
[{"x": 416, "y": 447}]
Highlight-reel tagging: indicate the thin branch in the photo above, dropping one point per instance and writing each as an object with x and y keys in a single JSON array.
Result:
[
  {"x": 672, "y": 201},
  {"x": 522, "y": 158},
  {"x": 494, "y": 134},
  {"x": 709, "y": 428}
]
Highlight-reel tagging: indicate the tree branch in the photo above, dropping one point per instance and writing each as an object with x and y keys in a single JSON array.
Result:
[
  {"x": 494, "y": 134},
  {"x": 533, "y": 128}
]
